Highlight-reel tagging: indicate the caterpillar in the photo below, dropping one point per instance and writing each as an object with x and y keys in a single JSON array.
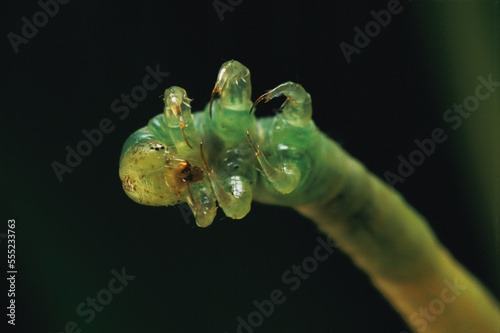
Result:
[{"x": 224, "y": 154}]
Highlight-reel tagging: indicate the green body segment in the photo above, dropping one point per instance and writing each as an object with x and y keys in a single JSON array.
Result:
[
  {"x": 285, "y": 160},
  {"x": 225, "y": 155}
]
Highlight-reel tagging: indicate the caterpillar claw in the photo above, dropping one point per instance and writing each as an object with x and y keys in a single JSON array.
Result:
[
  {"x": 233, "y": 87},
  {"x": 284, "y": 180},
  {"x": 264, "y": 97},
  {"x": 297, "y": 108},
  {"x": 215, "y": 91},
  {"x": 201, "y": 200},
  {"x": 178, "y": 110},
  {"x": 233, "y": 192}
]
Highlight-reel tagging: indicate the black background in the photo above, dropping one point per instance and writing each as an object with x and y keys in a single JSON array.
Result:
[{"x": 71, "y": 234}]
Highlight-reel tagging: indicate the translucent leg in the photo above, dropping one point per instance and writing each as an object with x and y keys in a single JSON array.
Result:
[
  {"x": 297, "y": 108},
  {"x": 187, "y": 181},
  {"x": 233, "y": 86},
  {"x": 284, "y": 180},
  {"x": 230, "y": 102},
  {"x": 292, "y": 127},
  {"x": 232, "y": 189},
  {"x": 178, "y": 115},
  {"x": 201, "y": 200}
]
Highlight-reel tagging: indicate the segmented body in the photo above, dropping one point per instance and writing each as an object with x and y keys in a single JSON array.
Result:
[
  {"x": 225, "y": 154},
  {"x": 286, "y": 160}
]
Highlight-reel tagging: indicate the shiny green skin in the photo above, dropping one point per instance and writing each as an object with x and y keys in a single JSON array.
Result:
[
  {"x": 289, "y": 153},
  {"x": 227, "y": 149}
]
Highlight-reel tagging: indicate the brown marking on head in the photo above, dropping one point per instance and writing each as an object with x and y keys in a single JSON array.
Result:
[
  {"x": 180, "y": 174},
  {"x": 127, "y": 184}
]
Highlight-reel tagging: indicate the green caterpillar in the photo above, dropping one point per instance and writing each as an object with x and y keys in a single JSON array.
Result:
[{"x": 226, "y": 155}]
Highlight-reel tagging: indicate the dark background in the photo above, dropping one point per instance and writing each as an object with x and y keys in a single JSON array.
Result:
[{"x": 71, "y": 234}]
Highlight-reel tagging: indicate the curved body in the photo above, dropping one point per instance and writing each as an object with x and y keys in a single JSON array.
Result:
[
  {"x": 143, "y": 161},
  {"x": 286, "y": 160},
  {"x": 225, "y": 154}
]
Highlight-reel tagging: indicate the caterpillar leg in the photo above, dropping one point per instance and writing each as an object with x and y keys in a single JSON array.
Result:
[
  {"x": 232, "y": 175},
  {"x": 233, "y": 184},
  {"x": 178, "y": 115},
  {"x": 201, "y": 200},
  {"x": 284, "y": 179},
  {"x": 233, "y": 86},
  {"x": 289, "y": 135},
  {"x": 297, "y": 108}
]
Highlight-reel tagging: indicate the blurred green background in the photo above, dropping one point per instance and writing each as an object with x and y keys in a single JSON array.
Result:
[{"x": 72, "y": 234}]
